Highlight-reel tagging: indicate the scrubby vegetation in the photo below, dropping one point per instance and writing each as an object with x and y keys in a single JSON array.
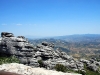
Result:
[
  {"x": 60, "y": 67},
  {"x": 41, "y": 64},
  {"x": 90, "y": 72},
  {"x": 10, "y": 59}
]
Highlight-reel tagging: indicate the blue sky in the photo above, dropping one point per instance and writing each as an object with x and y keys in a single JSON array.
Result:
[{"x": 50, "y": 17}]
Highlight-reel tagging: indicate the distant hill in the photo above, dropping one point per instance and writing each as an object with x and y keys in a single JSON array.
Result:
[
  {"x": 58, "y": 43},
  {"x": 80, "y": 38},
  {"x": 72, "y": 38},
  {"x": 77, "y": 45}
]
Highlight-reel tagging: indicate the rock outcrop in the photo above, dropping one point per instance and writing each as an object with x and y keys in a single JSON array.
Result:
[
  {"x": 6, "y": 34},
  {"x": 27, "y": 70},
  {"x": 91, "y": 64},
  {"x": 24, "y": 51},
  {"x": 51, "y": 57},
  {"x": 17, "y": 46}
]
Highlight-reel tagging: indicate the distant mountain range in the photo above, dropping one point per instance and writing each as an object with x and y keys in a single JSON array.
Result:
[
  {"x": 80, "y": 38},
  {"x": 72, "y": 38},
  {"x": 83, "y": 45}
]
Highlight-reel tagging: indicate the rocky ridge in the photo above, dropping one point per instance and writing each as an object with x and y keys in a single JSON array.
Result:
[{"x": 29, "y": 55}]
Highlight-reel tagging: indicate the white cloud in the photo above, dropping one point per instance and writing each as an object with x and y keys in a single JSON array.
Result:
[
  {"x": 19, "y": 24},
  {"x": 3, "y": 24}
]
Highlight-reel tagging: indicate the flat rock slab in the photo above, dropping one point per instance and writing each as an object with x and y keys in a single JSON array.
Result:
[{"x": 27, "y": 70}]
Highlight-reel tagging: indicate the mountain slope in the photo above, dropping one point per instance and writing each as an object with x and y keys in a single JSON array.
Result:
[
  {"x": 87, "y": 45},
  {"x": 80, "y": 37}
]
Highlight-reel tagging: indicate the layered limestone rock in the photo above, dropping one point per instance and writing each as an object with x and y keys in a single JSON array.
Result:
[
  {"x": 17, "y": 46},
  {"x": 50, "y": 57},
  {"x": 24, "y": 51},
  {"x": 92, "y": 64}
]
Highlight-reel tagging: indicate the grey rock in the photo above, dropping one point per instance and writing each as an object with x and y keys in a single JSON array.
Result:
[
  {"x": 21, "y": 37},
  {"x": 45, "y": 44},
  {"x": 64, "y": 55},
  {"x": 33, "y": 62},
  {"x": 24, "y": 51},
  {"x": 6, "y": 34},
  {"x": 98, "y": 63},
  {"x": 85, "y": 61},
  {"x": 18, "y": 46},
  {"x": 20, "y": 40},
  {"x": 91, "y": 64},
  {"x": 80, "y": 65},
  {"x": 51, "y": 57},
  {"x": 73, "y": 66},
  {"x": 92, "y": 61},
  {"x": 23, "y": 60},
  {"x": 93, "y": 67},
  {"x": 39, "y": 46},
  {"x": 48, "y": 44}
]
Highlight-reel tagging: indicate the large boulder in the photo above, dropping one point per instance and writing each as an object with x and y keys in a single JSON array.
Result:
[
  {"x": 93, "y": 67},
  {"x": 6, "y": 34},
  {"x": 91, "y": 64}
]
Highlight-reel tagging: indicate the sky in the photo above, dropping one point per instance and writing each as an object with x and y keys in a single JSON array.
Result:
[{"x": 45, "y": 18}]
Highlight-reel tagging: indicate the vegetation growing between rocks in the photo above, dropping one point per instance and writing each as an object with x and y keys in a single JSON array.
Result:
[
  {"x": 41, "y": 64},
  {"x": 90, "y": 72},
  {"x": 60, "y": 67},
  {"x": 11, "y": 59},
  {"x": 47, "y": 51}
]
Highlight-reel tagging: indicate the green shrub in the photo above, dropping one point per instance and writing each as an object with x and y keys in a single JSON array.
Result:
[
  {"x": 11, "y": 59},
  {"x": 60, "y": 67},
  {"x": 89, "y": 72},
  {"x": 81, "y": 72},
  {"x": 41, "y": 64}
]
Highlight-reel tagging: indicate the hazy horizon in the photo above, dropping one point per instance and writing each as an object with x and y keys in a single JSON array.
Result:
[
  {"x": 72, "y": 35},
  {"x": 46, "y": 18}
]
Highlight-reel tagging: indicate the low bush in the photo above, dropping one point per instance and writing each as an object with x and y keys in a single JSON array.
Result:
[
  {"x": 60, "y": 67},
  {"x": 11, "y": 59},
  {"x": 41, "y": 64},
  {"x": 81, "y": 72}
]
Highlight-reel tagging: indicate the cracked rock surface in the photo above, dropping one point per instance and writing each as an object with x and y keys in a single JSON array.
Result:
[{"x": 27, "y": 70}]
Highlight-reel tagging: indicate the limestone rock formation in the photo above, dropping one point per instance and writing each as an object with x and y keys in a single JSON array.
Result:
[
  {"x": 24, "y": 51},
  {"x": 6, "y": 34},
  {"x": 51, "y": 57},
  {"x": 91, "y": 64},
  {"x": 17, "y": 46}
]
